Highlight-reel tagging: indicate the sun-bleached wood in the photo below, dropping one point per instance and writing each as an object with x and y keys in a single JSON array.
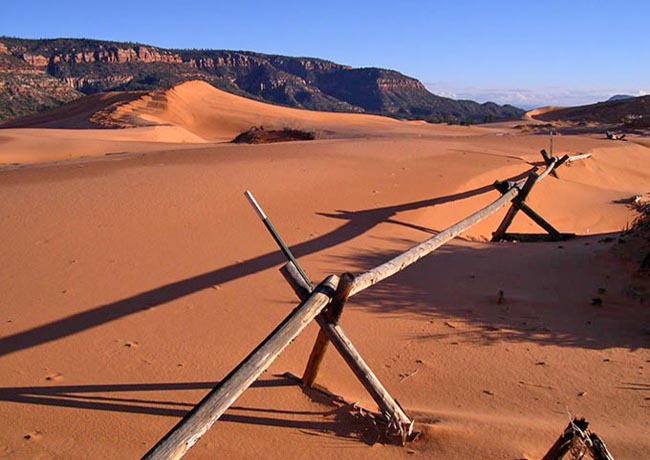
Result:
[
  {"x": 519, "y": 204},
  {"x": 599, "y": 449},
  {"x": 582, "y": 156},
  {"x": 414, "y": 254},
  {"x": 199, "y": 420},
  {"x": 550, "y": 167},
  {"x": 397, "y": 264},
  {"x": 395, "y": 416},
  {"x": 563, "y": 444},
  {"x": 393, "y": 413},
  {"x": 578, "y": 433}
]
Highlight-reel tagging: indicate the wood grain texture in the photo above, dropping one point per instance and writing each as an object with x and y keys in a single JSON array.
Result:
[
  {"x": 423, "y": 249},
  {"x": 199, "y": 420}
]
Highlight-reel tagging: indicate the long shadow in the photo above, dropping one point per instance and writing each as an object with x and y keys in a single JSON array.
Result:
[
  {"x": 358, "y": 223},
  {"x": 509, "y": 293},
  {"x": 336, "y": 418},
  {"x": 69, "y": 396}
]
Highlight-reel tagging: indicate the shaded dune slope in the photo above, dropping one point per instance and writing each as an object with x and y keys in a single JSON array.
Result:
[{"x": 94, "y": 111}]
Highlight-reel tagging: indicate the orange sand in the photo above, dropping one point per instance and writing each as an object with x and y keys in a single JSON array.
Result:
[
  {"x": 185, "y": 116},
  {"x": 132, "y": 283},
  {"x": 530, "y": 115}
]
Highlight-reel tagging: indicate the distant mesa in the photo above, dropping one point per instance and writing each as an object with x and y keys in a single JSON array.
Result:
[
  {"x": 42, "y": 74},
  {"x": 619, "y": 112}
]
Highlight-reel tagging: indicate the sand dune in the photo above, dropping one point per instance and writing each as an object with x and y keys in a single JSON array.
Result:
[
  {"x": 531, "y": 114},
  {"x": 219, "y": 116},
  {"x": 190, "y": 113},
  {"x": 30, "y": 145},
  {"x": 132, "y": 284},
  {"x": 212, "y": 115}
]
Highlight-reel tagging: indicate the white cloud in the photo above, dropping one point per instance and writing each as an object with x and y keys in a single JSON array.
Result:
[{"x": 528, "y": 98}]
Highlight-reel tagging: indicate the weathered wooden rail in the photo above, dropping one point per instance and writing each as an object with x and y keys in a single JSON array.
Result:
[{"x": 324, "y": 304}]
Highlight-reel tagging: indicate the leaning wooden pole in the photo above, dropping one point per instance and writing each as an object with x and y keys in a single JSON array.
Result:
[
  {"x": 276, "y": 236},
  {"x": 199, "y": 420},
  {"x": 414, "y": 254},
  {"x": 383, "y": 271},
  {"x": 581, "y": 156},
  {"x": 512, "y": 212},
  {"x": 399, "y": 423}
]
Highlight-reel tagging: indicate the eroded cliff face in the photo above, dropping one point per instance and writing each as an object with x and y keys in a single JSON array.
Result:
[
  {"x": 25, "y": 89},
  {"x": 91, "y": 66},
  {"x": 103, "y": 55},
  {"x": 399, "y": 83}
]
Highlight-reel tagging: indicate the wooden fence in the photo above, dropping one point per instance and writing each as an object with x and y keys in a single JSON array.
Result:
[{"x": 324, "y": 304}]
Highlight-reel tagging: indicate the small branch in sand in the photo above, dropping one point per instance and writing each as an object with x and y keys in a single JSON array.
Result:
[
  {"x": 406, "y": 375},
  {"x": 536, "y": 385}
]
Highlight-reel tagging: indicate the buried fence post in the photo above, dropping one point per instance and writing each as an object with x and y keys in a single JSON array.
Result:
[
  {"x": 200, "y": 419},
  {"x": 519, "y": 204},
  {"x": 399, "y": 423},
  {"x": 578, "y": 440},
  {"x": 580, "y": 156},
  {"x": 332, "y": 315},
  {"x": 513, "y": 210}
]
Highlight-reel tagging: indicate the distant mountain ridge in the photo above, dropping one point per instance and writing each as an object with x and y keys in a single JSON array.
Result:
[
  {"x": 73, "y": 67},
  {"x": 621, "y": 113}
]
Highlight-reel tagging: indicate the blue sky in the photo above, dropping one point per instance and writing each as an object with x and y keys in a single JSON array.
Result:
[{"x": 525, "y": 52}]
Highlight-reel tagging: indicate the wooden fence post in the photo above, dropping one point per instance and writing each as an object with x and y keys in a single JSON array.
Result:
[
  {"x": 513, "y": 210},
  {"x": 519, "y": 204},
  {"x": 199, "y": 420},
  {"x": 397, "y": 420},
  {"x": 332, "y": 315},
  {"x": 577, "y": 437}
]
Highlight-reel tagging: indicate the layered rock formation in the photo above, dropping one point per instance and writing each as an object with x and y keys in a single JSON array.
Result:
[
  {"x": 91, "y": 66},
  {"x": 25, "y": 89}
]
